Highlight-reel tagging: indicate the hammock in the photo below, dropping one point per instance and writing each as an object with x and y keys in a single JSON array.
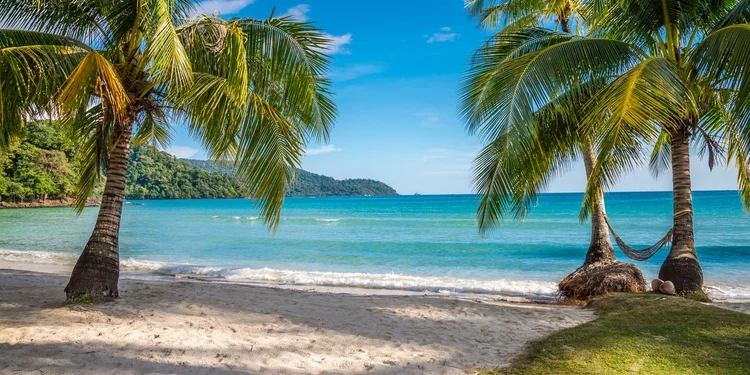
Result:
[{"x": 640, "y": 254}]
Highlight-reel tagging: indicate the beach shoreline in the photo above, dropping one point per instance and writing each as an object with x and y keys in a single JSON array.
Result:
[{"x": 188, "y": 326}]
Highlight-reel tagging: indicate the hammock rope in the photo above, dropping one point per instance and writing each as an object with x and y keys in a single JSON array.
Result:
[{"x": 640, "y": 254}]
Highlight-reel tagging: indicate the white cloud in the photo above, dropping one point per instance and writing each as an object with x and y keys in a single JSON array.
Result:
[
  {"x": 221, "y": 7},
  {"x": 182, "y": 152},
  {"x": 445, "y": 28},
  {"x": 349, "y": 73},
  {"x": 442, "y": 37},
  {"x": 322, "y": 150},
  {"x": 298, "y": 13},
  {"x": 337, "y": 44}
]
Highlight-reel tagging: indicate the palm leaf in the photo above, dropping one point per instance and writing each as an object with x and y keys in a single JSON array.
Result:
[
  {"x": 720, "y": 61},
  {"x": 630, "y": 113},
  {"x": 165, "y": 53},
  {"x": 500, "y": 93},
  {"x": 80, "y": 20},
  {"x": 94, "y": 75},
  {"x": 33, "y": 66}
]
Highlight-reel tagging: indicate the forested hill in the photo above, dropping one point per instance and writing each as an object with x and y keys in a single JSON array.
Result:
[
  {"x": 311, "y": 184},
  {"x": 158, "y": 175},
  {"x": 41, "y": 169}
]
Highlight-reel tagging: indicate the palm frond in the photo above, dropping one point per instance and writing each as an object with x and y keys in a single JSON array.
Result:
[
  {"x": 720, "y": 61},
  {"x": 501, "y": 92},
  {"x": 94, "y": 75},
  {"x": 493, "y": 14},
  {"x": 90, "y": 129},
  {"x": 165, "y": 55},
  {"x": 510, "y": 171},
  {"x": 81, "y": 19},
  {"x": 153, "y": 129},
  {"x": 738, "y": 13},
  {"x": 630, "y": 113},
  {"x": 661, "y": 156},
  {"x": 258, "y": 95},
  {"x": 33, "y": 66}
]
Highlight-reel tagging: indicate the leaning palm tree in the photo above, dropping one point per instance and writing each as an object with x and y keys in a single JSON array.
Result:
[
  {"x": 526, "y": 149},
  {"x": 686, "y": 80},
  {"x": 118, "y": 72}
]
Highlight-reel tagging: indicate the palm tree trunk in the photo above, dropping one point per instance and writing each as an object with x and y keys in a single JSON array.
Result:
[
  {"x": 600, "y": 273},
  {"x": 681, "y": 266},
  {"x": 600, "y": 247},
  {"x": 98, "y": 268},
  {"x": 564, "y": 18}
]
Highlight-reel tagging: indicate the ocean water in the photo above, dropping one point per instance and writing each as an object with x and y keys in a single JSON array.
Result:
[{"x": 416, "y": 243}]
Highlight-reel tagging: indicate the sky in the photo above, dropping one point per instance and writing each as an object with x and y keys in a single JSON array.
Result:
[{"x": 397, "y": 68}]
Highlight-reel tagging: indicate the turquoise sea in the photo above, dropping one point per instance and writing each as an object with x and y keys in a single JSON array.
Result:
[{"x": 402, "y": 242}]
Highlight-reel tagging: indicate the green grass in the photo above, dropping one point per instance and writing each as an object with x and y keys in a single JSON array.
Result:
[{"x": 644, "y": 334}]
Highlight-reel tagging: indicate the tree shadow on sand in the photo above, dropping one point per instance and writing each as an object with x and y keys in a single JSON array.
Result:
[{"x": 437, "y": 334}]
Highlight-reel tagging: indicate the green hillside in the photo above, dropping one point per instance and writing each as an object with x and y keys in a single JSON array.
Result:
[
  {"x": 41, "y": 167},
  {"x": 158, "y": 175},
  {"x": 311, "y": 184}
]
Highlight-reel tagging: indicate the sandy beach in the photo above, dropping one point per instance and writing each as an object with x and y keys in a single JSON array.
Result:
[{"x": 189, "y": 327}]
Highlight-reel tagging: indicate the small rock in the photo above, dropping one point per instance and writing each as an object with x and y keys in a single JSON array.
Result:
[
  {"x": 667, "y": 287},
  {"x": 656, "y": 284}
]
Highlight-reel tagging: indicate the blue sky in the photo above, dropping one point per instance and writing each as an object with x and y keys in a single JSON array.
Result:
[{"x": 397, "y": 67}]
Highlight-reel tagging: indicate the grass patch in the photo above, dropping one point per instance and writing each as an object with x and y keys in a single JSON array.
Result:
[{"x": 644, "y": 333}]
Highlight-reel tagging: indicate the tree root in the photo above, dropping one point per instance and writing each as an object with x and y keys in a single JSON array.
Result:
[{"x": 600, "y": 278}]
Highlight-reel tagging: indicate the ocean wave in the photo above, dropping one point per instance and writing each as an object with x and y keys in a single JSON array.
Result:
[
  {"x": 41, "y": 257},
  {"x": 327, "y": 220},
  {"x": 130, "y": 264},
  {"x": 234, "y": 218},
  {"x": 526, "y": 288},
  {"x": 368, "y": 280},
  {"x": 728, "y": 292}
]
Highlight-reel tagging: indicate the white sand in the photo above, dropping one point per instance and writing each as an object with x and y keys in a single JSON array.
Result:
[{"x": 185, "y": 327}]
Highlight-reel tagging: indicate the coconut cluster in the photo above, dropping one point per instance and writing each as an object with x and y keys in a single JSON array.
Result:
[{"x": 665, "y": 287}]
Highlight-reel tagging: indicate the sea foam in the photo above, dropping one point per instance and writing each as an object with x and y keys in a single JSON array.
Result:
[
  {"x": 369, "y": 280},
  {"x": 41, "y": 257}
]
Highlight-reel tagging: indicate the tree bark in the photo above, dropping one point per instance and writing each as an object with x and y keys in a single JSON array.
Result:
[
  {"x": 600, "y": 247},
  {"x": 564, "y": 18},
  {"x": 681, "y": 266},
  {"x": 98, "y": 268}
]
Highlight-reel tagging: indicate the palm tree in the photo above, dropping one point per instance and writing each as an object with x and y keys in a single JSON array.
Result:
[
  {"x": 118, "y": 71},
  {"x": 686, "y": 81},
  {"x": 653, "y": 73},
  {"x": 516, "y": 164}
]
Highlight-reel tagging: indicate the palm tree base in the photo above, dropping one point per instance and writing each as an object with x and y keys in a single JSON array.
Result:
[
  {"x": 95, "y": 275},
  {"x": 685, "y": 273},
  {"x": 600, "y": 278}
]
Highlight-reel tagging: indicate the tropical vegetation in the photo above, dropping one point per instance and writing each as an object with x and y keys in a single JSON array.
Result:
[
  {"x": 37, "y": 166},
  {"x": 310, "y": 184},
  {"x": 650, "y": 75},
  {"x": 529, "y": 142},
  {"x": 155, "y": 174},
  {"x": 643, "y": 333},
  {"x": 118, "y": 73},
  {"x": 40, "y": 168}
]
